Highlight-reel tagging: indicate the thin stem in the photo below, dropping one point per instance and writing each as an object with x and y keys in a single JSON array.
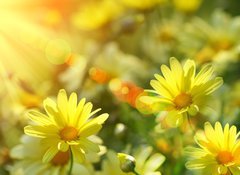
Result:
[
  {"x": 230, "y": 173},
  {"x": 190, "y": 123},
  {"x": 135, "y": 172},
  {"x": 221, "y": 119},
  {"x": 71, "y": 162}
]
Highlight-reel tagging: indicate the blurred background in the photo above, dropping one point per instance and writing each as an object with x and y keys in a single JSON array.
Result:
[{"x": 108, "y": 51}]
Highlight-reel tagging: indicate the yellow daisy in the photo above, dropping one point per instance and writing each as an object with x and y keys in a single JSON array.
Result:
[
  {"x": 28, "y": 160},
  {"x": 181, "y": 91},
  {"x": 66, "y": 126},
  {"x": 142, "y": 4},
  {"x": 219, "y": 150},
  {"x": 186, "y": 5}
]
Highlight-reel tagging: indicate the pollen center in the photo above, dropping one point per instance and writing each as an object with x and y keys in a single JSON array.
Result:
[
  {"x": 182, "y": 100},
  {"x": 224, "y": 157},
  {"x": 69, "y": 133},
  {"x": 61, "y": 158}
]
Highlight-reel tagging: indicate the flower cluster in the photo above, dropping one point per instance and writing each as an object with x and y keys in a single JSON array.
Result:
[{"x": 119, "y": 87}]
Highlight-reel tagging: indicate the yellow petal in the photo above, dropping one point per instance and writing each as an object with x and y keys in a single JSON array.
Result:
[
  {"x": 38, "y": 117},
  {"x": 63, "y": 146},
  {"x": 72, "y": 107},
  {"x": 222, "y": 169},
  {"x": 161, "y": 89},
  {"x": 50, "y": 153},
  {"x": 85, "y": 114},
  {"x": 204, "y": 75},
  {"x": 41, "y": 131},
  {"x": 174, "y": 119},
  {"x": 177, "y": 71},
  {"x": 89, "y": 130},
  {"x": 154, "y": 162},
  {"x": 51, "y": 108},
  {"x": 78, "y": 154},
  {"x": 193, "y": 110},
  {"x": 89, "y": 145},
  {"x": 62, "y": 103}
]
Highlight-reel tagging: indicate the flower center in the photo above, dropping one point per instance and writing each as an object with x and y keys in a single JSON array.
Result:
[
  {"x": 61, "y": 158},
  {"x": 222, "y": 44},
  {"x": 69, "y": 133},
  {"x": 182, "y": 100},
  {"x": 224, "y": 157},
  {"x": 166, "y": 35}
]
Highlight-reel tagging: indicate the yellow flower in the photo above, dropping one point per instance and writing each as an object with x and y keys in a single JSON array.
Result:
[
  {"x": 66, "y": 125},
  {"x": 219, "y": 150},
  {"x": 141, "y": 4},
  {"x": 95, "y": 15},
  {"x": 29, "y": 160},
  {"x": 181, "y": 91},
  {"x": 187, "y": 6}
]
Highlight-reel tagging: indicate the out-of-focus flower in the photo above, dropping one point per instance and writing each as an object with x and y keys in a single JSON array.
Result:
[
  {"x": 187, "y": 6},
  {"x": 109, "y": 63},
  {"x": 181, "y": 91},
  {"x": 216, "y": 40},
  {"x": 29, "y": 160},
  {"x": 111, "y": 165},
  {"x": 125, "y": 91},
  {"x": 18, "y": 95},
  {"x": 66, "y": 126},
  {"x": 75, "y": 69},
  {"x": 94, "y": 15},
  {"x": 141, "y": 4},
  {"x": 146, "y": 163},
  {"x": 219, "y": 150},
  {"x": 230, "y": 103},
  {"x": 162, "y": 38},
  {"x": 117, "y": 64}
]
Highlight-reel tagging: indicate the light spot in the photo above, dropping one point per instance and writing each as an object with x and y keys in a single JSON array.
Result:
[
  {"x": 115, "y": 84},
  {"x": 58, "y": 51}
]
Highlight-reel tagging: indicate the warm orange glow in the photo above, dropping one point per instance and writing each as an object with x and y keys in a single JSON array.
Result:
[
  {"x": 99, "y": 75},
  {"x": 125, "y": 91}
]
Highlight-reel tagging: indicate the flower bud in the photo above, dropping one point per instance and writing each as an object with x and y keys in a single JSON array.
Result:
[{"x": 127, "y": 162}]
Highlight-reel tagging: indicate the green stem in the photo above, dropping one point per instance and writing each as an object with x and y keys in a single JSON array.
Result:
[
  {"x": 221, "y": 119},
  {"x": 230, "y": 173},
  {"x": 190, "y": 123},
  {"x": 71, "y": 162},
  {"x": 135, "y": 172}
]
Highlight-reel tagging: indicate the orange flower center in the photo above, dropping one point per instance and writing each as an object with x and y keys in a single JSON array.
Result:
[
  {"x": 69, "y": 133},
  {"x": 182, "y": 100},
  {"x": 224, "y": 157},
  {"x": 61, "y": 158}
]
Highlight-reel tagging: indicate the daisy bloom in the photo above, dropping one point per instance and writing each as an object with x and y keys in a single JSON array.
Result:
[
  {"x": 219, "y": 150},
  {"x": 29, "y": 160},
  {"x": 66, "y": 126},
  {"x": 181, "y": 90}
]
